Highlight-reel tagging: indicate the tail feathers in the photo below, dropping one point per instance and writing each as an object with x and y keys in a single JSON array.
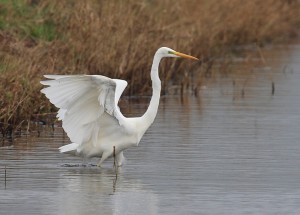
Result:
[{"x": 68, "y": 148}]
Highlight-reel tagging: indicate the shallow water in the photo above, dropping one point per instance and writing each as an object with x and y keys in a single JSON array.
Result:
[{"x": 225, "y": 152}]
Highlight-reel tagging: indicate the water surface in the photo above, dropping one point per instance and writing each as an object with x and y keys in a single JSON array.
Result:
[{"x": 232, "y": 150}]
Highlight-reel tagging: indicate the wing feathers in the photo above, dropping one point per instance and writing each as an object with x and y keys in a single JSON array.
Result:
[
  {"x": 65, "y": 91},
  {"x": 83, "y": 101}
]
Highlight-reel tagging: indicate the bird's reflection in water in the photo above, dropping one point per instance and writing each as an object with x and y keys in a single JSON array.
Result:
[{"x": 92, "y": 190}]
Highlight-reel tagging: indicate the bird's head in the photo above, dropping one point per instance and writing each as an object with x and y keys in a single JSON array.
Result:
[{"x": 167, "y": 52}]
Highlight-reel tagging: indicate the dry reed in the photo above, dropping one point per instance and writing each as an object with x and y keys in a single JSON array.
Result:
[{"x": 118, "y": 39}]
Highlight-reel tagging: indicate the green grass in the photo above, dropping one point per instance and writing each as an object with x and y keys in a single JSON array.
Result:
[{"x": 26, "y": 20}]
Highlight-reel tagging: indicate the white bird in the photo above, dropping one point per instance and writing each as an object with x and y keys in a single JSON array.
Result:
[{"x": 88, "y": 108}]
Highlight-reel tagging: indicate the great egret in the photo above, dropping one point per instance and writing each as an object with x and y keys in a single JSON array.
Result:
[{"x": 88, "y": 108}]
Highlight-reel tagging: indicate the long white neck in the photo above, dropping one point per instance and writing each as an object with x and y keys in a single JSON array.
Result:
[{"x": 151, "y": 112}]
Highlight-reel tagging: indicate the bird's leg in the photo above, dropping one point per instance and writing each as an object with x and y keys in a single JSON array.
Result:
[
  {"x": 115, "y": 163},
  {"x": 114, "y": 155},
  {"x": 105, "y": 155},
  {"x": 120, "y": 158}
]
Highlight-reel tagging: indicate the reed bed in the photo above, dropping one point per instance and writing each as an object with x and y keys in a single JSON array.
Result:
[{"x": 118, "y": 39}]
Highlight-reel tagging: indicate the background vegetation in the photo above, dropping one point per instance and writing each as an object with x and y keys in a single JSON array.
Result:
[{"x": 118, "y": 38}]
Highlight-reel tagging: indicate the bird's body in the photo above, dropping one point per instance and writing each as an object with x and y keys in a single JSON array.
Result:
[{"x": 88, "y": 108}]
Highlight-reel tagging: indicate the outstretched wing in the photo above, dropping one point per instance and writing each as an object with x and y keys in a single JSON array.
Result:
[{"x": 83, "y": 101}]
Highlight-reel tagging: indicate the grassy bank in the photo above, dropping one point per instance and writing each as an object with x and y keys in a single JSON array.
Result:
[{"x": 118, "y": 39}]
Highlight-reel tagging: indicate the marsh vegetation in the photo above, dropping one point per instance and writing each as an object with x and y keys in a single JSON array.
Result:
[{"x": 118, "y": 39}]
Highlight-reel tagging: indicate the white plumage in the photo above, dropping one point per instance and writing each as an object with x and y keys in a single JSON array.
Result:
[{"x": 88, "y": 108}]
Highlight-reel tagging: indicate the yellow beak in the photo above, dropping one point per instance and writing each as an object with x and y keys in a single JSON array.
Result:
[{"x": 185, "y": 56}]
